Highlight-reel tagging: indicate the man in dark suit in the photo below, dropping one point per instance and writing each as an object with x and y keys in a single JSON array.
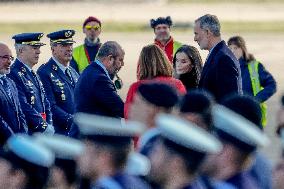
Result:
[
  {"x": 12, "y": 119},
  {"x": 221, "y": 73},
  {"x": 59, "y": 80},
  {"x": 32, "y": 96},
  {"x": 95, "y": 92}
]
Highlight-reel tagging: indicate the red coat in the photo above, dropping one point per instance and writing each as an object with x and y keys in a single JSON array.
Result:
[
  {"x": 133, "y": 89},
  {"x": 168, "y": 48}
]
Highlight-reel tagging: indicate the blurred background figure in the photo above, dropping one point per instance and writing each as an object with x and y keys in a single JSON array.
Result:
[
  {"x": 64, "y": 171},
  {"x": 153, "y": 65},
  {"x": 248, "y": 107},
  {"x": 30, "y": 163},
  {"x": 179, "y": 152},
  {"x": 196, "y": 106},
  {"x": 86, "y": 53},
  {"x": 187, "y": 64},
  {"x": 256, "y": 80},
  {"x": 108, "y": 144},
  {"x": 221, "y": 72},
  {"x": 162, "y": 28},
  {"x": 278, "y": 171},
  {"x": 151, "y": 99},
  {"x": 240, "y": 139}
]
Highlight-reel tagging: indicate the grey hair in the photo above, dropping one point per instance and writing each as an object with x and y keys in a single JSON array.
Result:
[
  {"x": 211, "y": 23},
  {"x": 18, "y": 47},
  {"x": 52, "y": 44},
  {"x": 109, "y": 48}
]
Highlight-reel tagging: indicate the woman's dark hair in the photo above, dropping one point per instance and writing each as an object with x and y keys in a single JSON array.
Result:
[
  {"x": 240, "y": 42},
  {"x": 190, "y": 79}
]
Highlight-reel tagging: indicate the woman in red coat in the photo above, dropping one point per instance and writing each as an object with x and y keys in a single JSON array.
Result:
[{"x": 153, "y": 65}]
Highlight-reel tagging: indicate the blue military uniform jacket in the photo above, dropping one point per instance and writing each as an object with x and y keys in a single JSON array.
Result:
[
  {"x": 120, "y": 181},
  {"x": 60, "y": 93},
  {"x": 12, "y": 119},
  {"x": 221, "y": 73},
  {"x": 32, "y": 97},
  {"x": 95, "y": 93}
]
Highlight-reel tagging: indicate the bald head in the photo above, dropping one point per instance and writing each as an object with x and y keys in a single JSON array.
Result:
[
  {"x": 111, "y": 55},
  {"x": 3, "y": 46},
  {"x": 5, "y": 59}
]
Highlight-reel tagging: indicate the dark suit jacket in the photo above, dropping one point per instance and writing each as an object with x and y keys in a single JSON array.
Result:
[
  {"x": 12, "y": 119},
  {"x": 221, "y": 73},
  {"x": 32, "y": 97},
  {"x": 95, "y": 93},
  {"x": 60, "y": 93}
]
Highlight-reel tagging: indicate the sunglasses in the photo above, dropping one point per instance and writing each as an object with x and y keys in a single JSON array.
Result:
[
  {"x": 88, "y": 27},
  {"x": 7, "y": 57}
]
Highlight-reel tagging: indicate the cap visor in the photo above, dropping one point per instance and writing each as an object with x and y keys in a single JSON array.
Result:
[{"x": 66, "y": 42}]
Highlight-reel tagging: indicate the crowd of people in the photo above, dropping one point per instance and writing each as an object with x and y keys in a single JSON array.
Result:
[{"x": 185, "y": 124}]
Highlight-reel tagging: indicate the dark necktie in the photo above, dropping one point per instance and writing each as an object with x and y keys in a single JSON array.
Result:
[
  {"x": 35, "y": 77},
  {"x": 6, "y": 86},
  {"x": 68, "y": 74}
]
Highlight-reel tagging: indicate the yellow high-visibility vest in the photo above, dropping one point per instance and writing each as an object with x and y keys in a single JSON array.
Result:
[
  {"x": 256, "y": 88},
  {"x": 177, "y": 45},
  {"x": 80, "y": 57}
]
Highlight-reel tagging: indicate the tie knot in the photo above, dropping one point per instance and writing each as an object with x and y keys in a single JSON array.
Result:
[{"x": 34, "y": 74}]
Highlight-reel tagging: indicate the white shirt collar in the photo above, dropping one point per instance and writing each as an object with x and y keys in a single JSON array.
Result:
[
  {"x": 61, "y": 66},
  {"x": 211, "y": 50},
  {"x": 29, "y": 68}
]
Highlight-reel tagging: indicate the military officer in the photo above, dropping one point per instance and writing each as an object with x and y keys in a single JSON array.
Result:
[
  {"x": 12, "y": 119},
  {"x": 108, "y": 144},
  {"x": 59, "y": 79},
  {"x": 31, "y": 92}
]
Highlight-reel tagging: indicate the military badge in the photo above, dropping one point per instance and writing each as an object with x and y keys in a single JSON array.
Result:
[
  {"x": 23, "y": 69},
  {"x": 29, "y": 83},
  {"x": 32, "y": 99},
  {"x": 54, "y": 67},
  {"x": 40, "y": 36},
  {"x": 20, "y": 74},
  {"x": 63, "y": 97},
  {"x": 68, "y": 33}
]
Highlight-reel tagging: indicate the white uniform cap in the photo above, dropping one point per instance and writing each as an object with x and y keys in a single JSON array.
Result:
[
  {"x": 187, "y": 134},
  {"x": 26, "y": 148},
  {"x": 237, "y": 126},
  {"x": 64, "y": 147},
  {"x": 99, "y": 125}
]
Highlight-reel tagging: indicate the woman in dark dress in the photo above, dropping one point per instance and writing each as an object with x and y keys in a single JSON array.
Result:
[{"x": 187, "y": 64}]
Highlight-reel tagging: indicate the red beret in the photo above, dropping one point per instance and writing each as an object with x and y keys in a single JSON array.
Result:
[{"x": 90, "y": 19}]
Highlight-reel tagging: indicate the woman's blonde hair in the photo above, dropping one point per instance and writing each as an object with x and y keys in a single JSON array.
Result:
[{"x": 153, "y": 62}]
